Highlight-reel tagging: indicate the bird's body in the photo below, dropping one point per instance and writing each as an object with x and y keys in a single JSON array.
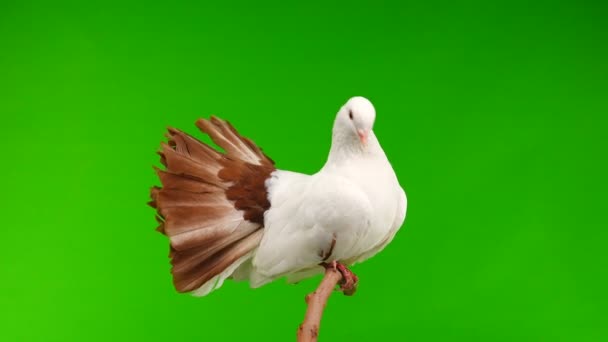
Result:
[
  {"x": 283, "y": 223},
  {"x": 358, "y": 202}
]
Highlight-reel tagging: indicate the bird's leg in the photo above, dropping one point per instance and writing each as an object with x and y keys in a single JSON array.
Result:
[{"x": 348, "y": 284}]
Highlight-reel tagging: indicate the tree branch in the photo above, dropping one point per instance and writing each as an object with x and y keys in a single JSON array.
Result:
[{"x": 309, "y": 329}]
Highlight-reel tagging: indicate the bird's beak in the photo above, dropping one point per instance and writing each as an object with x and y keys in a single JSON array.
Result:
[{"x": 362, "y": 136}]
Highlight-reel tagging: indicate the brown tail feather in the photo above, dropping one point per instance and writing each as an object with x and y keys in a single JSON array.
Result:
[
  {"x": 214, "y": 265},
  {"x": 188, "y": 259},
  {"x": 211, "y": 205}
]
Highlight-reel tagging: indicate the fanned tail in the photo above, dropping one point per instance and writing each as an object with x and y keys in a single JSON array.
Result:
[{"x": 211, "y": 205}]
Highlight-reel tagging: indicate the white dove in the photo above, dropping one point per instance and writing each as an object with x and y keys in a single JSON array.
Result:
[{"x": 233, "y": 215}]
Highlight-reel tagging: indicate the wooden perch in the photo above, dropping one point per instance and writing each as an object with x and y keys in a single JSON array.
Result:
[{"x": 316, "y": 301}]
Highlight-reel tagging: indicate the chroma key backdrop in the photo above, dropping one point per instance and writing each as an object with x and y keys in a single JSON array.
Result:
[{"x": 493, "y": 114}]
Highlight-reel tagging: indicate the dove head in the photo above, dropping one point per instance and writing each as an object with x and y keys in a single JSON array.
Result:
[{"x": 355, "y": 120}]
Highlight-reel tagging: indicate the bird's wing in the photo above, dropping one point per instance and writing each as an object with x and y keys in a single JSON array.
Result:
[
  {"x": 397, "y": 223},
  {"x": 311, "y": 219}
]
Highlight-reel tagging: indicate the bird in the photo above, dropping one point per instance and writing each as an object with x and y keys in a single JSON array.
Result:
[{"x": 234, "y": 215}]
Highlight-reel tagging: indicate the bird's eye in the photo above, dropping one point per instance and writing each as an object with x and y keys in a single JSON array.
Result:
[{"x": 350, "y": 114}]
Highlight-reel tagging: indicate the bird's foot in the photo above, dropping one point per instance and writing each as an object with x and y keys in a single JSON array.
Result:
[{"x": 348, "y": 284}]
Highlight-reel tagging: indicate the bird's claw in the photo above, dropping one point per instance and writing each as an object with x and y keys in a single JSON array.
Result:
[{"x": 349, "y": 281}]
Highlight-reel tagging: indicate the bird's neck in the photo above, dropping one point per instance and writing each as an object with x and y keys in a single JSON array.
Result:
[{"x": 346, "y": 147}]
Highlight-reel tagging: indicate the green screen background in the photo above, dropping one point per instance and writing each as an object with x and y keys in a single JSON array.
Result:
[{"x": 494, "y": 116}]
